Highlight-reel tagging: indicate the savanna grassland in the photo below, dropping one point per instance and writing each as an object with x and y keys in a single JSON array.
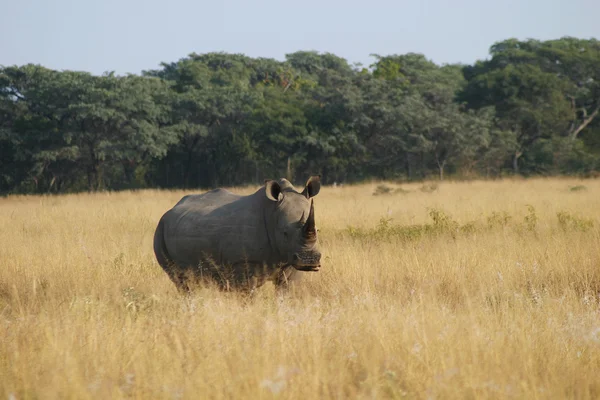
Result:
[{"x": 458, "y": 290}]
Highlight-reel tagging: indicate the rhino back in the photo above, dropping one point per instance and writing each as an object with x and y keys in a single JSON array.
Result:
[{"x": 217, "y": 225}]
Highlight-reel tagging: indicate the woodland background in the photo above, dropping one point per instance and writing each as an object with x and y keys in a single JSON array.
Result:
[{"x": 215, "y": 119}]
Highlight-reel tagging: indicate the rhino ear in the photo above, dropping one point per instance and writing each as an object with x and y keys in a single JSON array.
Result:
[
  {"x": 272, "y": 190},
  {"x": 313, "y": 186}
]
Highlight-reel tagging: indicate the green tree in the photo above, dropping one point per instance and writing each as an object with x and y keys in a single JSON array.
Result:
[{"x": 541, "y": 90}]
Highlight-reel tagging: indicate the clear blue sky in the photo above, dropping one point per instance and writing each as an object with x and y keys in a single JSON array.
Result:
[{"x": 133, "y": 35}]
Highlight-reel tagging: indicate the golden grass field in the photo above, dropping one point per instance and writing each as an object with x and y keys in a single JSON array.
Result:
[{"x": 485, "y": 305}]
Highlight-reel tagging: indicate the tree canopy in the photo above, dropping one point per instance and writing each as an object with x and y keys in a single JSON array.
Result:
[{"x": 215, "y": 119}]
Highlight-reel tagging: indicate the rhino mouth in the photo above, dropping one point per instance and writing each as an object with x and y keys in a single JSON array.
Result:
[
  {"x": 307, "y": 261},
  {"x": 307, "y": 267}
]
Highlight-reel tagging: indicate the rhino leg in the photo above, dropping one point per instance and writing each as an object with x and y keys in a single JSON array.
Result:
[
  {"x": 182, "y": 278},
  {"x": 288, "y": 278},
  {"x": 239, "y": 277},
  {"x": 187, "y": 279}
]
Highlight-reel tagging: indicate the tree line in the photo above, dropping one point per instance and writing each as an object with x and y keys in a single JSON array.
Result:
[{"x": 227, "y": 119}]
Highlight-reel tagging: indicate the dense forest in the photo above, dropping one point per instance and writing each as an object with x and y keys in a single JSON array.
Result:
[{"x": 530, "y": 108}]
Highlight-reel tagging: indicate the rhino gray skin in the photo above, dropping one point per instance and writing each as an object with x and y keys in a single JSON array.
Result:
[{"x": 240, "y": 242}]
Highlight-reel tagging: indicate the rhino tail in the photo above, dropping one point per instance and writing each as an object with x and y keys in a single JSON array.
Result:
[{"x": 164, "y": 259}]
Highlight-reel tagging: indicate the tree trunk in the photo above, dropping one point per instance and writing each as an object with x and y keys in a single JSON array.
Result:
[
  {"x": 586, "y": 121},
  {"x": 92, "y": 171},
  {"x": 190, "y": 146},
  {"x": 441, "y": 164},
  {"x": 187, "y": 171},
  {"x": 515, "y": 161},
  {"x": 128, "y": 172},
  {"x": 289, "y": 170},
  {"x": 256, "y": 179},
  {"x": 324, "y": 174},
  {"x": 167, "y": 172},
  {"x": 92, "y": 175}
]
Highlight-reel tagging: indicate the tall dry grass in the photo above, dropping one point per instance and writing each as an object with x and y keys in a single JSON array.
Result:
[{"x": 478, "y": 307}]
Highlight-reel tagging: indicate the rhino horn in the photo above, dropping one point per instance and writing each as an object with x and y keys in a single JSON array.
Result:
[{"x": 310, "y": 231}]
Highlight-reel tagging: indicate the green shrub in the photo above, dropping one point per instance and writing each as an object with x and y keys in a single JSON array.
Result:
[{"x": 571, "y": 222}]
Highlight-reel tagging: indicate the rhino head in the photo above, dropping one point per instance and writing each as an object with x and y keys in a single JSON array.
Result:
[{"x": 292, "y": 223}]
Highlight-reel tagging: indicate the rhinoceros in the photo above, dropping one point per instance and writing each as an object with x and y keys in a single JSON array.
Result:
[{"x": 240, "y": 242}]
